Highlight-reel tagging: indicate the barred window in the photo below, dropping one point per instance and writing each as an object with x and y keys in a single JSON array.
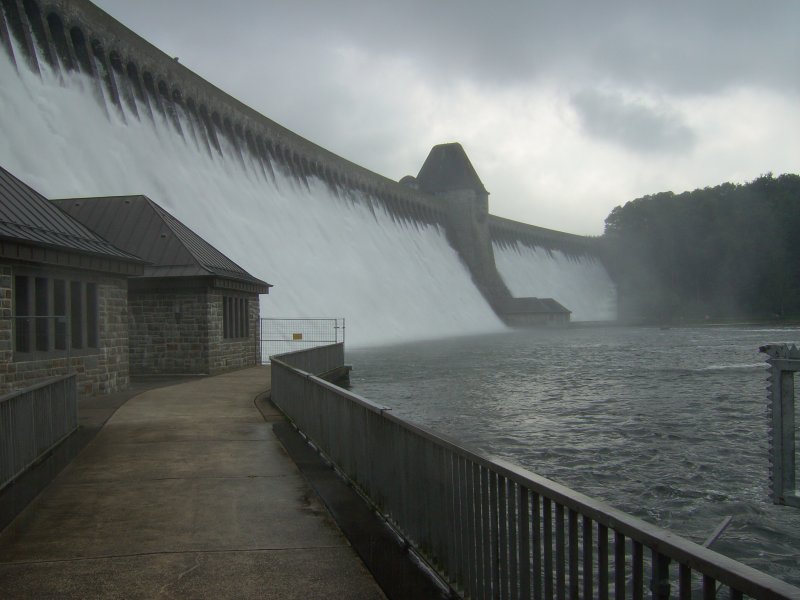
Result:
[
  {"x": 54, "y": 314},
  {"x": 235, "y": 322},
  {"x": 60, "y": 308}
]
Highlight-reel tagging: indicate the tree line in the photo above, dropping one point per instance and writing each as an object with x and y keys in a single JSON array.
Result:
[{"x": 718, "y": 253}]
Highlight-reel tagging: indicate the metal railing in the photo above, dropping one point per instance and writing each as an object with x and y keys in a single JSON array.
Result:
[
  {"x": 492, "y": 529},
  {"x": 279, "y": 336},
  {"x": 322, "y": 360},
  {"x": 784, "y": 362},
  {"x": 33, "y": 421}
]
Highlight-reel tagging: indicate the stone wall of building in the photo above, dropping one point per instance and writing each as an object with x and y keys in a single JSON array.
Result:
[
  {"x": 169, "y": 332},
  {"x": 226, "y": 354},
  {"x": 6, "y": 332},
  {"x": 113, "y": 361},
  {"x": 100, "y": 370}
]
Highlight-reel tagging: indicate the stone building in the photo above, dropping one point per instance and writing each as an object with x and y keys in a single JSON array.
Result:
[
  {"x": 533, "y": 312},
  {"x": 63, "y": 296},
  {"x": 193, "y": 310}
]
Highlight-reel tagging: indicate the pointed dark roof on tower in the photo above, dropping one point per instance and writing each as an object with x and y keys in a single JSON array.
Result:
[
  {"x": 142, "y": 227},
  {"x": 446, "y": 169}
]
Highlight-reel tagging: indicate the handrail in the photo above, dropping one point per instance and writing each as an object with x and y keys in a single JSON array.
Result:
[
  {"x": 494, "y": 529},
  {"x": 321, "y": 360},
  {"x": 282, "y": 336},
  {"x": 33, "y": 421},
  {"x": 37, "y": 386}
]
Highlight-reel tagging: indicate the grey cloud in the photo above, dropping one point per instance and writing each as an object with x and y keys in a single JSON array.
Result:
[
  {"x": 279, "y": 56},
  {"x": 672, "y": 47},
  {"x": 635, "y": 126}
]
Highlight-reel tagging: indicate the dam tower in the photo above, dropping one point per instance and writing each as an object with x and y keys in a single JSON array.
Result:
[{"x": 448, "y": 175}]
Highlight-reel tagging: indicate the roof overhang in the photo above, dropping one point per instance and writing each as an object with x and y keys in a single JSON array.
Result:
[
  {"x": 58, "y": 257},
  {"x": 145, "y": 284}
]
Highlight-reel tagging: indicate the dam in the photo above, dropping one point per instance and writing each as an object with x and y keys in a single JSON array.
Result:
[{"x": 92, "y": 109}]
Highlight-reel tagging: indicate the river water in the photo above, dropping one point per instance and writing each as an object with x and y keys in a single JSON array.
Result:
[{"x": 668, "y": 425}]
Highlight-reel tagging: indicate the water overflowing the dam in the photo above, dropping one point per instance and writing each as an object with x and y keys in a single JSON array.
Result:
[
  {"x": 330, "y": 244},
  {"x": 580, "y": 283},
  {"x": 325, "y": 255}
]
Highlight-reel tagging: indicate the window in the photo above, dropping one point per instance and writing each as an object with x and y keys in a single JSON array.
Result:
[
  {"x": 235, "y": 322},
  {"x": 54, "y": 314},
  {"x": 41, "y": 326},
  {"x": 22, "y": 339},
  {"x": 76, "y": 313},
  {"x": 60, "y": 308},
  {"x": 91, "y": 315}
]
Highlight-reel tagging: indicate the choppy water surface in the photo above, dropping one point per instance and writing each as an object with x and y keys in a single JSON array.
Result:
[{"x": 668, "y": 425}]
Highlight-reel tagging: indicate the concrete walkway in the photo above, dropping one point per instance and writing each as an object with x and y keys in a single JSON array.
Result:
[{"x": 185, "y": 493}]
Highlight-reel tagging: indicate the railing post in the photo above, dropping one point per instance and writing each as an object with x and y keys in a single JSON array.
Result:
[
  {"x": 659, "y": 585},
  {"x": 784, "y": 362}
]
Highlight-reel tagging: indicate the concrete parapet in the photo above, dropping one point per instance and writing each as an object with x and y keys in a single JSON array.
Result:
[{"x": 505, "y": 231}]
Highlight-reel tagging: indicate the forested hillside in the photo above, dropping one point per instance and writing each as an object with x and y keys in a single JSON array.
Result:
[{"x": 727, "y": 252}]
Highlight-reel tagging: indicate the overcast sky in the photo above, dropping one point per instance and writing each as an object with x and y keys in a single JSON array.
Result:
[{"x": 565, "y": 109}]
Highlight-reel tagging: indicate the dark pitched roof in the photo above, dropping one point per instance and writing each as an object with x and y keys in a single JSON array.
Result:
[
  {"x": 28, "y": 217},
  {"x": 142, "y": 227},
  {"x": 447, "y": 168}
]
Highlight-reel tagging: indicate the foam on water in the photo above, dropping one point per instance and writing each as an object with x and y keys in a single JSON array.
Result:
[
  {"x": 579, "y": 283},
  {"x": 326, "y": 255}
]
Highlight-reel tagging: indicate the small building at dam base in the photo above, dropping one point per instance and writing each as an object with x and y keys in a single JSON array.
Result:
[{"x": 448, "y": 176}]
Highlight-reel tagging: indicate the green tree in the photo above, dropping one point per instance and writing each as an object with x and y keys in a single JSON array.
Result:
[{"x": 731, "y": 251}]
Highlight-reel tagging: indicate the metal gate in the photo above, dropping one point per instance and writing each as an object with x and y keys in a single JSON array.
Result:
[{"x": 287, "y": 335}]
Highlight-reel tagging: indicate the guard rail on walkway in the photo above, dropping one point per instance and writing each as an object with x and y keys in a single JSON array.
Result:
[
  {"x": 490, "y": 528},
  {"x": 279, "y": 336},
  {"x": 33, "y": 421},
  {"x": 321, "y": 360},
  {"x": 784, "y": 362}
]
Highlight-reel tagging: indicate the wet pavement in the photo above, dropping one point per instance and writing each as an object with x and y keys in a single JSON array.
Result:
[{"x": 184, "y": 493}]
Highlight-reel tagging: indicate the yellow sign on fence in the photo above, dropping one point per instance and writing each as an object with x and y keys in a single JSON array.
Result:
[{"x": 297, "y": 336}]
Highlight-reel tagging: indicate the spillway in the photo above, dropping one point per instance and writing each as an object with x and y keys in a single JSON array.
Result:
[
  {"x": 87, "y": 108},
  {"x": 578, "y": 281},
  {"x": 345, "y": 255}
]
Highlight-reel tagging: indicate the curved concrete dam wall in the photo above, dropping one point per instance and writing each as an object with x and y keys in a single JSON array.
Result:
[{"x": 92, "y": 109}]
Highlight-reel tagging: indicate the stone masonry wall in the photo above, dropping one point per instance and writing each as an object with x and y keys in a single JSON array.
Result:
[
  {"x": 169, "y": 332},
  {"x": 236, "y": 353},
  {"x": 101, "y": 370},
  {"x": 6, "y": 333}
]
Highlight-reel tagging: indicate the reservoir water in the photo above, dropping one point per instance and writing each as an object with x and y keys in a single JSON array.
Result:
[{"x": 668, "y": 425}]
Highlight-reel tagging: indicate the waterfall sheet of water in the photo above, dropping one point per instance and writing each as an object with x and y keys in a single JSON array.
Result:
[
  {"x": 580, "y": 283},
  {"x": 327, "y": 254}
]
